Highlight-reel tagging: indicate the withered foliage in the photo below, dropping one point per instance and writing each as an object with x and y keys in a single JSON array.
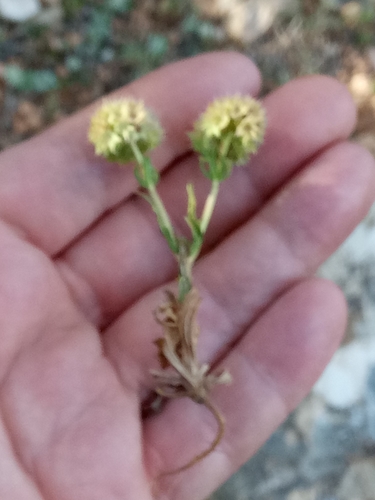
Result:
[{"x": 182, "y": 375}]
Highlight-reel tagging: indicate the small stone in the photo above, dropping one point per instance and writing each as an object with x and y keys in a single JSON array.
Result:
[
  {"x": 20, "y": 10},
  {"x": 303, "y": 494},
  {"x": 344, "y": 381},
  {"x": 282, "y": 479},
  {"x": 335, "y": 437},
  {"x": 247, "y": 21},
  {"x": 214, "y": 9},
  {"x": 361, "y": 87},
  {"x": 351, "y": 14},
  {"x": 312, "y": 408},
  {"x": 358, "y": 482}
]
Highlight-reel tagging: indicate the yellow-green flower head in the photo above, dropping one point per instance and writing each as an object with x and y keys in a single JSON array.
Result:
[
  {"x": 229, "y": 131},
  {"x": 118, "y": 124}
]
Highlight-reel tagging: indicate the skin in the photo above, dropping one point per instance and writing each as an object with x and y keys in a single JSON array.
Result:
[{"x": 83, "y": 266}]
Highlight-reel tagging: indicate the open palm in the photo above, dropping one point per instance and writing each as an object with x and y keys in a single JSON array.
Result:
[{"x": 82, "y": 267}]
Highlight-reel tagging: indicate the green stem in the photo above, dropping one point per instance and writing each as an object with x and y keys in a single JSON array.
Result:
[
  {"x": 185, "y": 279},
  {"x": 137, "y": 152},
  {"x": 186, "y": 261},
  {"x": 157, "y": 204}
]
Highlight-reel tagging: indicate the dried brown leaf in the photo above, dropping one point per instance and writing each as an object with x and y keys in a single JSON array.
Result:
[{"x": 177, "y": 350}]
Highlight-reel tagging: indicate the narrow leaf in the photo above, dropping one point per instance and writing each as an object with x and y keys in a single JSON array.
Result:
[{"x": 191, "y": 218}]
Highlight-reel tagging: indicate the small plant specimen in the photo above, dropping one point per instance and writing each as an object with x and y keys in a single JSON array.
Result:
[{"x": 225, "y": 135}]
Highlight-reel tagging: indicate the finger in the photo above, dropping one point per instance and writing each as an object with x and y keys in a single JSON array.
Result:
[
  {"x": 70, "y": 424},
  {"x": 115, "y": 263},
  {"x": 53, "y": 187},
  {"x": 286, "y": 241},
  {"x": 15, "y": 484},
  {"x": 273, "y": 368}
]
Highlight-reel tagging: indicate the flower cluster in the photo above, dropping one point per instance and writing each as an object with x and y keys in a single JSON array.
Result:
[
  {"x": 226, "y": 134},
  {"x": 119, "y": 125}
]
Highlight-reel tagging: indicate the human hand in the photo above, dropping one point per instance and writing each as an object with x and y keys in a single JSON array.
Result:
[{"x": 83, "y": 266}]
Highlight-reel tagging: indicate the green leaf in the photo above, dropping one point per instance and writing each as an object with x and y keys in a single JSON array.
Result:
[
  {"x": 193, "y": 221},
  {"x": 30, "y": 80},
  {"x": 173, "y": 245},
  {"x": 191, "y": 218},
  {"x": 100, "y": 28},
  {"x": 140, "y": 176},
  {"x": 192, "y": 202},
  {"x": 157, "y": 46},
  {"x": 151, "y": 174}
]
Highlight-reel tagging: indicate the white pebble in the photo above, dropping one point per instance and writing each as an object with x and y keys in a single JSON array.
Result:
[{"x": 19, "y": 10}]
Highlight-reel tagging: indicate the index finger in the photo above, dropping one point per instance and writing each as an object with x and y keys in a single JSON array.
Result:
[{"x": 52, "y": 188}]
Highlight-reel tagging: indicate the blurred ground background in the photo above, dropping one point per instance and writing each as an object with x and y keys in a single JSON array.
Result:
[{"x": 56, "y": 56}]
